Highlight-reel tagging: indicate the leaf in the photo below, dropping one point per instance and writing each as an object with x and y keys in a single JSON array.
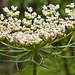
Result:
[
  {"x": 10, "y": 45},
  {"x": 26, "y": 67},
  {"x": 45, "y": 66},
  {"x": 3, "y": 50},
  {"x": 66, "y": 56},
  {"x": 20, "y": 72},
  {"x": 15, "y": 61},
  {"x": 41, "y": 61},
  {"x": 46, "y": 54},
  {"x": 8, "y": 55},
  {"x": 18, "y": 59},
  {"x": 16, "y": 47},
  {"x": 17, "y": 51}
]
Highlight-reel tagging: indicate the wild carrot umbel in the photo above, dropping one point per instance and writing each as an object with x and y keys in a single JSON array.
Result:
[{"x": 32, "y": 33}]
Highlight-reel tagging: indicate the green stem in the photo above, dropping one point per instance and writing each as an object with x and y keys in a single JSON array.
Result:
[{"x": 34, "y": 64}]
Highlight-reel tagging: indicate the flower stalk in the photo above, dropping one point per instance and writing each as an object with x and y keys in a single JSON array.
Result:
[{"x": 34, "y": 63}]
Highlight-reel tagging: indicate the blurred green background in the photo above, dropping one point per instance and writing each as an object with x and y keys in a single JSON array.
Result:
[{"x": 57, "y": 65}]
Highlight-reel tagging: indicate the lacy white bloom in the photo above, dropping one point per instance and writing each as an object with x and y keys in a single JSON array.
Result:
[{"x": 33, "y": 30}]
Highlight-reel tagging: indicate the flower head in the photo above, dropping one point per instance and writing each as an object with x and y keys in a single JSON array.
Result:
[{"x": 33, "y": 30}]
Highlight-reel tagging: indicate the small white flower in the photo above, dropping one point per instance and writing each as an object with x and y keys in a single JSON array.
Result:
[
  {"x": 16, "y": 13},
  {"x": 44, "y": 7},
  {"x": 14, "y": 8},
  {"x": 34, "y": 14},
  {"x": 2, "y": 17},
  {"x": 6, "y": 9},
  {"x": 30, "y": 9},
  {"x": 39, "y": 16},
  {"x": 51, "y": 6},
  {"x": 71, "y": 5},
  {"x": 66, "y": 18},
  {"x": 46, "y": 13},
  {"x": 67, "y": 10},
  {"x": 10, "y": 19},
  {"x": 10, "y": 14},
  {"x": 57, "y": 7},
  {"x": 57, "y": 14}
]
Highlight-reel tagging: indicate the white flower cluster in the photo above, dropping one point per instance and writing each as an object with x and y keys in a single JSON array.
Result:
[
  {"x": 50, "y": 9},
  {"x": 22, "y": 38},
  {"x": 32, "y": 29},
  {"x": 11, "y": 13},
  {"x": 70, "y": 11},
  {"x": 11, "y": 23},
  {"x": 30, "y": 15}
]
